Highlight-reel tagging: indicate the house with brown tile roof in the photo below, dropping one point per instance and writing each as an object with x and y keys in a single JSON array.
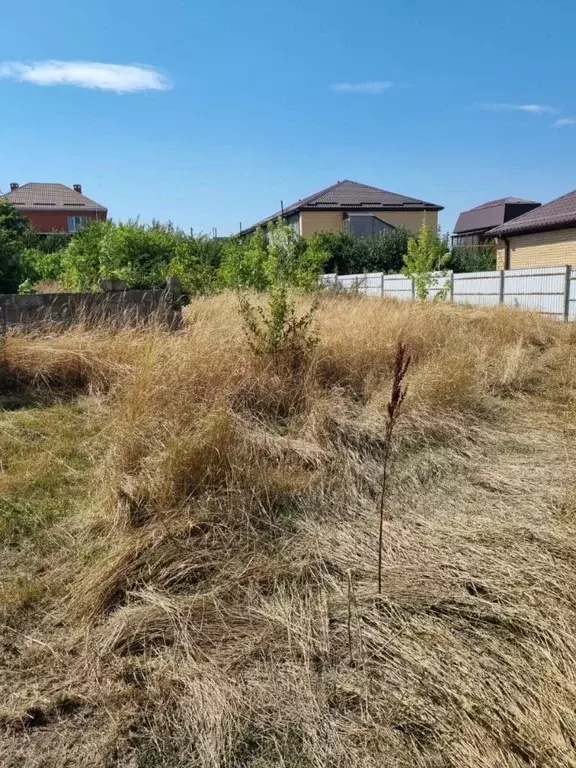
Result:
[
  {"x": 545, "y": 236},
  {"x": 356, "y": 208},
  {"x": 55, "y": 207}
]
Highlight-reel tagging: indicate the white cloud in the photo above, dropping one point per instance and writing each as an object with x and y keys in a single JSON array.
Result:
[
  {"x": 565, "y": 121},
  {"x": 372, "y": 87},
  {"x": 533, "y": 109},
  {"x": 121, "y": 78}
]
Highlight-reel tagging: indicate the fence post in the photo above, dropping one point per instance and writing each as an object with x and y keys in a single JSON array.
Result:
[
  {"x": 413, "y": 289},
  {"x": 382, "y": 285},
  {"x": 567, "y": 292},
  {"x": 452, "y": 287},
  {"x": 502, "y": 278}
]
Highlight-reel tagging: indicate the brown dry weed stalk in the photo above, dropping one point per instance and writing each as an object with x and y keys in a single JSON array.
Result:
[{"x": 401, "y": 363}]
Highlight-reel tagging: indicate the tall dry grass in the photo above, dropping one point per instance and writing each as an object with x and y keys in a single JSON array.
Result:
[{"x": 218, "y": 602}]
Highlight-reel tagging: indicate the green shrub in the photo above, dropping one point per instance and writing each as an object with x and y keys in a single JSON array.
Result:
[
  {"x": 351, "y": 255},
  {"x": 244, "y": 262},
  {"x": 40, "y": 265},
  {"x": 278, "y": 261},
  {"x": 141, "y": 255},
  {"x": 276, "y": 330},
  {"x": 195, "y": 262},
  {"x": 272, "y": 257},
  {"x": 473, "y": 258}
]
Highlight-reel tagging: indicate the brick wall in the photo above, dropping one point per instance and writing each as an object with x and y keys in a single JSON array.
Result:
[
  {"x": 543, "y": 249},
  {"x": 57, "y": 221}
]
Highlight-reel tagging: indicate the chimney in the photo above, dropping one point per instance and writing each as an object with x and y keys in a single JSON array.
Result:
[
  {"x": 14, "y": 185},
  {"x": 78, "y": 188}
]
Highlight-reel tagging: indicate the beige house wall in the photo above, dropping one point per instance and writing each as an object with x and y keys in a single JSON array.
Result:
[
  {"x": 542, "y": 249},
  {"x": 331, "y": 221},
  {"x": 320, "y": 221},
  {"x": 410, "y": 220}
]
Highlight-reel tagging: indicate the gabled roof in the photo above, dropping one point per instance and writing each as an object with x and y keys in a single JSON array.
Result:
[
  {"x": 557, "y": 214},
  {"x": 33, "y": 196},
  {"x": 492, "y": 214},
  {"x": 346, "y": 195}
]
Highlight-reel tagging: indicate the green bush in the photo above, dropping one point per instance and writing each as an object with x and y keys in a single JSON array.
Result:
[
  {"x": 281, "y": 261},
  {"x": 40, "y": 265},
  {"x": 244, "y": 262},
  {"x": 141, "y": 255},
  {"x": 195, "y": 262},
  {"x": 352, "y": 255},
  {"x": 269, "y": 258},
  {"x": 473, "y": 258}
]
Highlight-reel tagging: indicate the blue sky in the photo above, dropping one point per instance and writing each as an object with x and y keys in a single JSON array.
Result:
[{"x": 233, "y": 106}]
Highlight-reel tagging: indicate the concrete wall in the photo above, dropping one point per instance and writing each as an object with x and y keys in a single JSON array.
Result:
[
  {"x": 57, "y": 221},
  {"x": 331, "y": 221},
  {"x": 115, "y": 307},
  {"x": 543, "y": 249}
]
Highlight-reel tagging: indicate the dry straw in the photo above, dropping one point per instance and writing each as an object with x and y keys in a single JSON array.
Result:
[{"x": 203, "y": 593}]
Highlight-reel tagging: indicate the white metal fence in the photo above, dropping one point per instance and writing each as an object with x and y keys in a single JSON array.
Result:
[{"x": 548, "y": 290}]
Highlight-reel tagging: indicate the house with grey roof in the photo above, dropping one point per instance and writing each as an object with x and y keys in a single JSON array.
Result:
[
  {"x": 545, "y": 236},
  {"x": 473, "y": 225},
  {"x": 55, "y": 207},
  {"x": 355, "y": 208}
]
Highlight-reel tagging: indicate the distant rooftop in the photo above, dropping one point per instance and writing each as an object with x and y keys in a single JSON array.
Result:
[
  {"x": 346, "y": 195},
  {"x": 491, "y": 214},
  {"x": 36, "y": 196}
]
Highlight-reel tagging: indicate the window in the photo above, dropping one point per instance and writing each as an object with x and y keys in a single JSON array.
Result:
[
  {"x": 294, "y": 222},
  {"x": 364, "y": 225},
  {"x": 75, "y": 223}
]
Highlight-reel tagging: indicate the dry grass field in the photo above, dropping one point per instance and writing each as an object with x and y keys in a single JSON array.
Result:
[{"x": 189, "y": 536}]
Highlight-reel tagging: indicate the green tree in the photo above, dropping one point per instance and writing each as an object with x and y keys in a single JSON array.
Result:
[
  {"x": 12, "y": 221},
  {"x": 14, "y": 230},
  {"x": 427, "y": 254}
]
